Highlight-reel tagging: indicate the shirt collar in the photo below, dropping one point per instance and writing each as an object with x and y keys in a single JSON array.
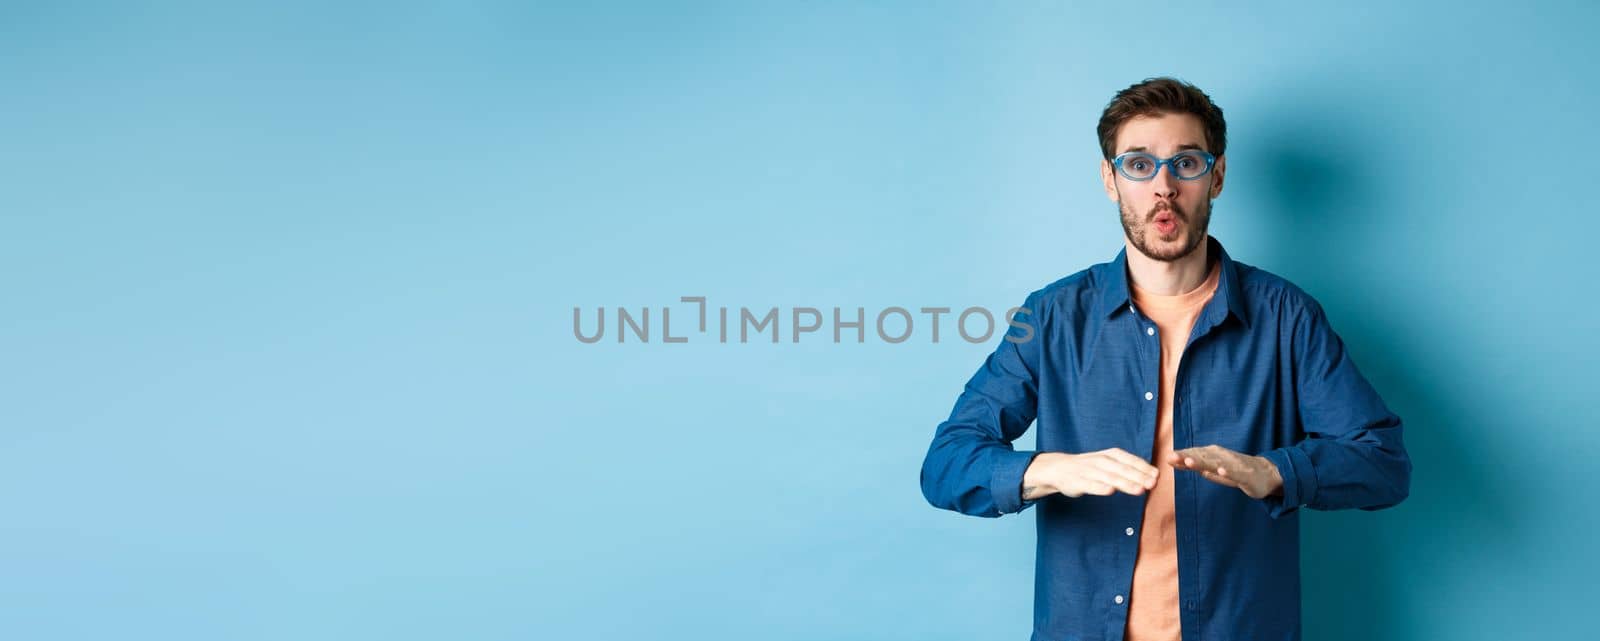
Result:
[{"x": 1114, "y": 294}]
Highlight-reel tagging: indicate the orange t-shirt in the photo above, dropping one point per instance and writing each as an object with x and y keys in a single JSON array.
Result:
[{"x": 1153, "y": 603}]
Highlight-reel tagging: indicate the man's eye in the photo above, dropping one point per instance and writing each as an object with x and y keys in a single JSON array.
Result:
[
  {"x": 1140, "y": 165},
  {"x": 1186, "y": 163}
]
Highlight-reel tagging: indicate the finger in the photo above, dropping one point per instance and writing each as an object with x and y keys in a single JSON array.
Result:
[
  {"x": 1219, "y": 479},
  {"x": 1121, "y": 483},
  {"x": 1180, "y": 458},
  {"x": 1210, "y": 456},
  {"x": 1225, "y": 457},
  {"x": 1208, "y": 459},
  {"x": 1120, "y": 473},
  {"x": 1098, "y": 489},
  {"x": 1191, "y": 458},
  {"x": 1136, "y": 462},
  {"x": 1092, "y": 485},
  {"x": 1124, "y": 458},
  {"x": 1116, "y": 467}
]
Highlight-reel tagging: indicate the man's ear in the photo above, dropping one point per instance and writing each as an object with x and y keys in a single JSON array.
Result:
[
  {"x": 1218, "y": 171},
  {"x": 1108, "y": 178}
]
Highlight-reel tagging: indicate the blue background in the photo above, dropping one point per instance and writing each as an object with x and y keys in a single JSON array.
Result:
[{"x": 287, "y": 340}]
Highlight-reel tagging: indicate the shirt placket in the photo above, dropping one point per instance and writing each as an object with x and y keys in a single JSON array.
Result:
[
  {"x": 1185, "y": 499},
  {"x": 1147, "y": 343}
]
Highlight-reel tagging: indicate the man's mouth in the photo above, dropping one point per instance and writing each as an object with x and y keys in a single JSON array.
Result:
[{"x": 1165, "y": 222}]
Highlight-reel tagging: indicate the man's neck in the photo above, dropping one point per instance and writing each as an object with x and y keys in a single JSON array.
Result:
[{"x": 1169, "y": 278}]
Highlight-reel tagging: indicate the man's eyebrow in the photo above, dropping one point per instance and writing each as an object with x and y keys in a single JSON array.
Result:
[{"x": 1183, "y": 147}]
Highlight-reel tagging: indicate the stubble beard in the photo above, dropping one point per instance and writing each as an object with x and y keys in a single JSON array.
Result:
[{"x": 1141, "y": 230}]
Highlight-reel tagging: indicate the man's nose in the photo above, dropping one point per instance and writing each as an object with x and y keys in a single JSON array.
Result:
[{"x": 1164, "y": 182}]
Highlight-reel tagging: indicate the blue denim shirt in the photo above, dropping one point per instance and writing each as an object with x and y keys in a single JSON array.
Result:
[{"x": 1263, "y": 373}]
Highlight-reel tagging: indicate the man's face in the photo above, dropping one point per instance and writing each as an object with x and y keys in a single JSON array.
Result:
[{"x": 1164, "y": 218}]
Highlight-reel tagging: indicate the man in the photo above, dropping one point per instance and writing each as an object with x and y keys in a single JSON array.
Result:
[{"x": 1188, "y": 406}]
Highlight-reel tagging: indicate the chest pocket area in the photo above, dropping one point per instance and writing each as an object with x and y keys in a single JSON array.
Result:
[
  {"x": 1108, "y": 409},
  {"x": 1231, "y": 408}
]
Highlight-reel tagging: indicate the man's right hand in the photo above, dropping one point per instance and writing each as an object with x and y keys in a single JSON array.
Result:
[{"x": 1073, "y": 475}]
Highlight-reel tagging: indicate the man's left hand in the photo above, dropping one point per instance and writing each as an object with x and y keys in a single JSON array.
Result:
[{"x": 1255, "y": 476}]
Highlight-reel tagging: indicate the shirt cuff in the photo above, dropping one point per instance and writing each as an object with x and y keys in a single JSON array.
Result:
[
  {"x": 1006, "y": 483},
  {"x": 1299, "y": 481}
]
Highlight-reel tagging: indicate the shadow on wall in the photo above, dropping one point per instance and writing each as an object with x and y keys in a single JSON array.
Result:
[{"x": 1327, "y": 226}]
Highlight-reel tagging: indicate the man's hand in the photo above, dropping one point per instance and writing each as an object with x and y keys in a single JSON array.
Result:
[
  {"x": 1255, "y": 476},
  {"x": 1074, "y": 475}
]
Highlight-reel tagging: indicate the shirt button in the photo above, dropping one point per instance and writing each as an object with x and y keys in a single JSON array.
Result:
[
  {"x": 1150, "y": 331},
  {"x": 1118, "y": 599},
  {"x": 1148, "y": 396},
  {"x": 1129, "y": 531}
]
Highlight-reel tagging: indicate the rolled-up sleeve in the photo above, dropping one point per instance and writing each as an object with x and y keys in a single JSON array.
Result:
[
  {"x": 971, "y": 466},
  {"x": 1353, "y": 455}
]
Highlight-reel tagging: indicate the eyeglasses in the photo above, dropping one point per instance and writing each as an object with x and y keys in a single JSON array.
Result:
[{"x": 1187, "y": 165}]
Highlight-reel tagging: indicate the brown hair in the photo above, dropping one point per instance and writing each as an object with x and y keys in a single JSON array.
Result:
[{"x": 1156, "y": 96}]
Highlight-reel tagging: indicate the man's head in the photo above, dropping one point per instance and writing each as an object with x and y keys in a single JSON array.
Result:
[{"x": 1164, "y": 216}]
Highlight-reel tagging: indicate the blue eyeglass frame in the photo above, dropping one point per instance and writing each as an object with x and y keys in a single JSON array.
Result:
[{"x": 1171, "y": 168}]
